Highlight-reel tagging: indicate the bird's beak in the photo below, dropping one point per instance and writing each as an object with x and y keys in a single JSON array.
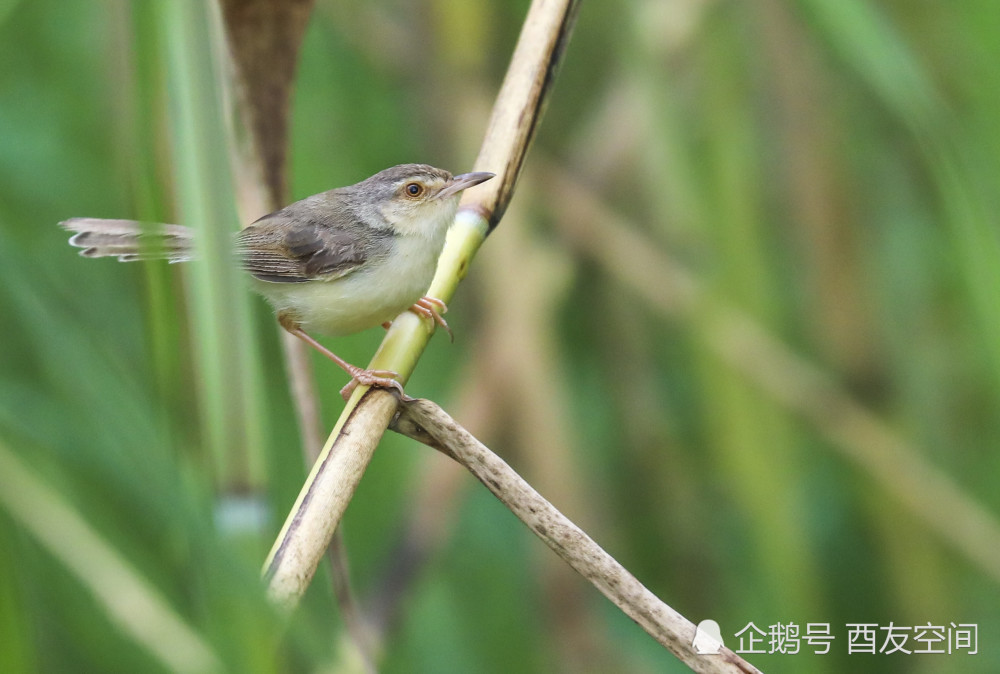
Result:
[{"x": 464, "y": 181}]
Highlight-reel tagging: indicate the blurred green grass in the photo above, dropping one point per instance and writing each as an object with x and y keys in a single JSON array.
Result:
[{"x": 829, "y": 167}]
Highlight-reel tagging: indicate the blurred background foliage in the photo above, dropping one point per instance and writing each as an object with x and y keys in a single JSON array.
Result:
[{"x": 819, "y": 177}]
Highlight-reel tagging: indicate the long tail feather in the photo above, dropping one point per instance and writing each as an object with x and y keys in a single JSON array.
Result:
[{"x": 129, "y": 240}]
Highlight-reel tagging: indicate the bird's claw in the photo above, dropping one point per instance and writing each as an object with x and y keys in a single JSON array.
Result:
[
  {"x": 432, "y": 308},
  {"x": 382, "y": 378}
]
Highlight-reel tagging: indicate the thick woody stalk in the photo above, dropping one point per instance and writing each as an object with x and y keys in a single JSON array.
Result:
[{"x": 331, "y": 484}]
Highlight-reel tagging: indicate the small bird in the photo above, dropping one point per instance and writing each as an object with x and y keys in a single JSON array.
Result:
[{"x": 334, "y": 263}]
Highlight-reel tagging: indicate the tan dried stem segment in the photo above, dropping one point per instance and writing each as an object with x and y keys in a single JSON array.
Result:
[{"x": 426, "y": 422}]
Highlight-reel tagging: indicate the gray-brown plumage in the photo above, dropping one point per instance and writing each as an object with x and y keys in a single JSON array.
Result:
[
  {"x": 337, "y": 262},
  {"x": 285, "y": 248}
]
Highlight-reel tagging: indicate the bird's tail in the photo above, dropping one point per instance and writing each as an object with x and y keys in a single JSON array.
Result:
[{"x": 129, "y": 240}]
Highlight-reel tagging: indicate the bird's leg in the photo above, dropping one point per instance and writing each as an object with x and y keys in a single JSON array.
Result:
[
  {"x": 383, "y": 378},
  {"x": 432, "y": 308}
]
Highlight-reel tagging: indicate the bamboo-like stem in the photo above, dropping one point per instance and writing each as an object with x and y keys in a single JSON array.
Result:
[
  {"x": 426, "y": 422},
  {"x": 331, "y": 484}
]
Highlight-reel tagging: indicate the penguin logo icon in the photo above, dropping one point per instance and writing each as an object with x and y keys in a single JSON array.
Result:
[{"x": 707, "y": 638}]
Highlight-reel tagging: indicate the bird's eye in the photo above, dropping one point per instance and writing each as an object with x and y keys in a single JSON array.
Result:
[{"x": 414, "y": 189}]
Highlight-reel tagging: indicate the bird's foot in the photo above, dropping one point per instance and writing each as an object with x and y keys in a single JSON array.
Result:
[
  {"x": 432, "y": 308},
  {"x": 383, "y": 378}
]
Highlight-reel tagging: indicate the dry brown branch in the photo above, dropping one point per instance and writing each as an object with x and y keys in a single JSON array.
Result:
[{"x": 425, "y": 422}]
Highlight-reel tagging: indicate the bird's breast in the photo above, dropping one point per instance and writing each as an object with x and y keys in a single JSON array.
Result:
[{"x": 376, "y": 292}]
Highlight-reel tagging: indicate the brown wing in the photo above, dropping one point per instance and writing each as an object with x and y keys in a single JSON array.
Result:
[{"x": 284, "y": 250}]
